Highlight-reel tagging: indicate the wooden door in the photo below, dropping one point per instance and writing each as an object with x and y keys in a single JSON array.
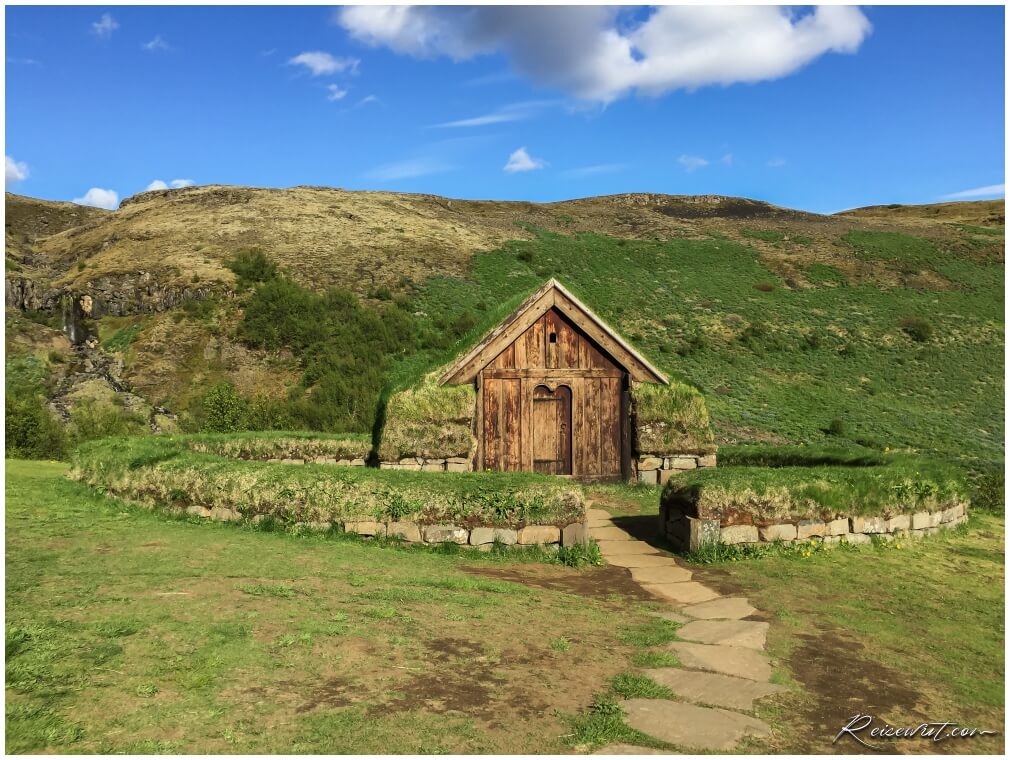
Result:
[{"x": 552, "y": 430}]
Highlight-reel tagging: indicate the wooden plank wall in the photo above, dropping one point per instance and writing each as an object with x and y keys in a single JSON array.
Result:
[{"x": 569, "y": 359}]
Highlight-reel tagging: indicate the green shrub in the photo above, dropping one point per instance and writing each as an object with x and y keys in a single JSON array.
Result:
[
  {"x": 252, "y": 266},
  {"x": 916, "y": 328},
  {"x": 91, "y": 419},
  {"x": 31, "y": 431},
  {"x": 836, "y": 427},
  {"x": 989, "y": 491},
  {"x": 224, "y": 409},
  {"x": 281, "y": 445},
  {"x": 121, "y": 339}
]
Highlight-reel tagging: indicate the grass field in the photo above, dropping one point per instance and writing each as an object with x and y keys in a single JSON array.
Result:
[
  {"x": 777, "y": 362},
  {"x": 131, "y": 632},
  {"x": 909, "y": 632}
]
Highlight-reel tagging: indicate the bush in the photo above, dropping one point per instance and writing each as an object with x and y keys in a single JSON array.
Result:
[
  {"x": 224, "y": 409},
  {"x": 837, "y": 428},
  {"x": 989, "y": 493},
  {"x": 252, "y": 266},
  {"x": 31, "y": 430},
  {"x": 90, "y": 420},
  {"x": 916, "y": 328}
]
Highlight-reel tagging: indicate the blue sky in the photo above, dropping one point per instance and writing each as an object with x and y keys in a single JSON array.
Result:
[{"x": 851, "y": 107}]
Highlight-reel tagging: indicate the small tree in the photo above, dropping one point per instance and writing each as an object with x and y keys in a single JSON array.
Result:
[{"x": 224, "y": 410}]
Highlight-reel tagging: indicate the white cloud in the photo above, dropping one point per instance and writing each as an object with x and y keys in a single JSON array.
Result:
[
  {"x": 521, "y": 161},
  {"x": 158, "y": 43},
  {"x": 367, "y": 100},
  {"x": 176, "y": 184},
  {"x": 414, "y": 167},
  {"x": 511, "y": 112},
  {"x": 105, "y": 26},
  {"x": 690, "y": 163},
  {"x": 601, "y": 54},
  {"x": 776, "y": 163},
  {"x": 14, "y": 171},
  {"x": 727, "y": 159},
  {"x": 320, "y": 63},
  {"x": 978, "y": 192},
  {"x": 99, "y": 198},
  {"x": 594, "y": 170},
  {"x": 335, "y": 92}
]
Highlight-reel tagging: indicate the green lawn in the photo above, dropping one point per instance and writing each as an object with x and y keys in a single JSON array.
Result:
[{"x": 131, "y": 632}]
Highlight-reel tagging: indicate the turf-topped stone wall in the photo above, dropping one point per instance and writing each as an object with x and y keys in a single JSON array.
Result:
[
  {"x": 466, "y": 508},
  {"x": 287, "y": 448},
  {"x": 782, "y": 500},
  {"x": 671, "y": 431},
  {"x": 429, "y": 427}
]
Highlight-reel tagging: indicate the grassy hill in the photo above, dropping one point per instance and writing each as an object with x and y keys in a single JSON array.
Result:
[{"x": 877, "y": 326}]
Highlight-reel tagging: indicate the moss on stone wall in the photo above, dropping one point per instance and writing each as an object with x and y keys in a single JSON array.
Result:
[
  {"x": 430, "y": 421},
  {"x": 670, "y": 419}
]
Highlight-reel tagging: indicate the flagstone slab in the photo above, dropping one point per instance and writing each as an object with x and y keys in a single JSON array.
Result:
[
  {"x": 673, "y": 617},
  {"x": 644, "y": 561},
  {"x": 659, "y": 572},
  {"x": 685, "y": 592},
  {"x": 631, "y": 749},
  {"x": 713, "y": 688},
  {"x": 611, "y": 534},
  {"x": 732, "y": 661},
  {"x": 726, "y": 607},
  {"x": 597, "y": 513},
  {"x": 731, "y": 633},
  {"x": 600, "y": 522},
  {"x": 687, "y": 725},
  {"x": 621, "y": 548}
]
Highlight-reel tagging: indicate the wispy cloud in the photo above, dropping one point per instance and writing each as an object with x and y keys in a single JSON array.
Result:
[
  {"x": 105, "y": 26},
  {"x": 511, "y": 112},
  {"x": 14, "y": 171},
  {"x": 522, "y": 161},
  {"x": 591, "y": 171},
  {"x": 727, "y": 159},
  {"x": 776, "y": 163},
  {"x": 100, "y": 198},
  {"x": 692, "y": 163},
  {"x": 158, "y": 43},
  {"x": 23, "y": 61},
  {"x": 335, "y": 92},
  {"x": 408, "y": 169},
  {"x": 320, "y": 63},
  {"x": 368, "y": 100},
  {"x": 987, "y": 191}
]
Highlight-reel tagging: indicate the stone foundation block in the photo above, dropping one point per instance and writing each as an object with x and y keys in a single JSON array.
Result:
[
  {"x": 576, "y": 533},
  {"x": 649, "y": 463},
  {"x": 357, "y": 463},
  {"x": 433, "y": 466},
  {"x": 649, "y": 477},
  {"x": 838, "y": 527},
  {"x": 868, "y": 525},
  {"x": 365, "y": 527},
  {"x": 921, "y": 520},
  {"x": 451, "y": 466},
  {"x": 664, "y": 476},
  {"x": 406, "y": 531},
  {"x": 948, "y": 514},
  {"x": 811, "y": 529},
  {"x": 739, "y": 534},
  {"x": 707, "y": 461},
  {"x": 324, "y": 460},
  {"x": 898, "y": 522},
  {"x": 480, "y": 536},
  {"x": 539, "y": 534},
  {"x": 783, "y": 532},
  {"x": 680, "y": 463},
  {"x": 389, "y": 465},
  {"x": 442, "y": 534},
  {"x": 197, "y": 511},
  {"x": 224, "y": 515},
  {"x": 293, "y": 461},
  {"x": 857, "y": 538}
]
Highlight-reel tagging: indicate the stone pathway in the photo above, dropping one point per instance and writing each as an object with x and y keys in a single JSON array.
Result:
[{"x": 724, "y": 669}]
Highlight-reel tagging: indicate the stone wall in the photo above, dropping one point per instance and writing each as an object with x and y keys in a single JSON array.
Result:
[
  {"x": 479, "y": 537},
  {"x": 691, "y": 533},
  {"x": 420, "y": 464},
  {"x": 320, "y": 460},
  {"x": 654, "y": 469}
]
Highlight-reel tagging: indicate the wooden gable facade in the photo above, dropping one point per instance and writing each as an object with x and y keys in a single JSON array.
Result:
[{"x": 552, "y": 386}]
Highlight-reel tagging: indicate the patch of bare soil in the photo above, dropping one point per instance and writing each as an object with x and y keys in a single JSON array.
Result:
[{"x": 599, "y": 582}]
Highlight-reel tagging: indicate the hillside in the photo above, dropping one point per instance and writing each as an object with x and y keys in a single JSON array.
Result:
[
  {"x": 885, "y": 326},
  {"x": 984, "y": 213}
]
